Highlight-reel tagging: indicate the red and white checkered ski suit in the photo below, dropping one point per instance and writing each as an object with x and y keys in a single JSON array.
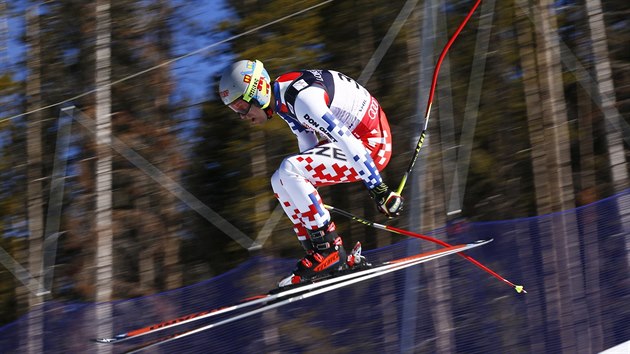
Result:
[{"x": 356, "y": 145}]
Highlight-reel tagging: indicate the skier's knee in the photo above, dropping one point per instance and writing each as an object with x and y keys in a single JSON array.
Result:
[
  {"x": 288, "y": 168},
  {"x": 276, "y": 182}
]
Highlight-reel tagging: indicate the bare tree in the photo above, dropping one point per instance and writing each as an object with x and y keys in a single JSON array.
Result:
[
  {"x": 606, "y": 90},
  {"x": 34, "y": 175},
  {"x": 4, "y": 34},
  {"x": 104, "y": 234},
  {"x": 439, "y": 168},
  {"x": 526, "y": 46},
  {"x": 587, "y": 194},
  {"x": 606, "y": 98},
  {"x": 552, "y": 174},
  {"x": 159, "y": 51}
]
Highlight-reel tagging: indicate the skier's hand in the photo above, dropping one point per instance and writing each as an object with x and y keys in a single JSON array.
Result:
[{"x": 387, "y": 201}]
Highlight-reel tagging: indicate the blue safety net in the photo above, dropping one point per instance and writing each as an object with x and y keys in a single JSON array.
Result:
[{"x": 574, "y": 265}]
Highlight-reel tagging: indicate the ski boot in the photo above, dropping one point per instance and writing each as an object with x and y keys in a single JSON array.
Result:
[{"x": 325, "y": 256}]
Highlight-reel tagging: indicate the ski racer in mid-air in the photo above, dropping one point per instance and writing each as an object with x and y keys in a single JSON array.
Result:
[{"x": 356, "y": 145}]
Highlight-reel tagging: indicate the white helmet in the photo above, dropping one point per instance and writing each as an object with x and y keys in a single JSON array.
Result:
[{"x": 248, "y": 80}]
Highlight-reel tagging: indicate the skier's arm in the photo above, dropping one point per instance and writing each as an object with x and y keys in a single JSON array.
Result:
[{"x": 307, "y": 139}]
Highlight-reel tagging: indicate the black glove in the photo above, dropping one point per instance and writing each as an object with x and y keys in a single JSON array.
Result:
[{"x": 387, "y": 201}]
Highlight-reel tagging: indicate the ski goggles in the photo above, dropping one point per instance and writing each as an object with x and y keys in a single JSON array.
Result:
[
  {"x": 243, "y": 104},
  {"x": 240, "y": 106}
]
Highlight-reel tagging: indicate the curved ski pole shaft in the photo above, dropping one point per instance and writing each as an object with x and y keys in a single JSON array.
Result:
[
  {"x": 436, "y": 71},
  {"x": 518, "y": 288}
]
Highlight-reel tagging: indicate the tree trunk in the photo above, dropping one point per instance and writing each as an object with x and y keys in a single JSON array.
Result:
[
  {"x": 261, "y": 209},
  {"x": 150, "y": 237},
  {"x": 588, "y": 193},
  {"x": 104, "y": 245},
  {"x": 606, "y": 89},
  {"x": 564, "y": 291},
  {"x": 438, "y": 271},
  {"x": 34, "y": 187},
  {"x": 614, "y": 134},
  {"x": 471, "y": 113},
  {"x": 440, "y": 160},
  {"x": 409, "y": 324},
  {"x": 527, "y": 47},
  {"x": 430, "y": 203},
  {"x": 172, "y": 271},
  {"x": 4, "y": 34}
]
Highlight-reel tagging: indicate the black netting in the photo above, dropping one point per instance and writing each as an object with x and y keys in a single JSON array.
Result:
[{"x": 573, "y": 264}]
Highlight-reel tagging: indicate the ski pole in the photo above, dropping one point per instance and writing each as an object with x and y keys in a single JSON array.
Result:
[
  {"x": 518, "y": 288},
  {"x": 431, "y": 94}
]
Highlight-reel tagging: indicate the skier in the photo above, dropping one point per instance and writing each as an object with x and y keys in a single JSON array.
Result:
[{"x": 356, "y": 145}]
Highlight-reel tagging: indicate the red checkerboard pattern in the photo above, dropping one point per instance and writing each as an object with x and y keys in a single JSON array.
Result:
[{"x": 321, "y": 174}]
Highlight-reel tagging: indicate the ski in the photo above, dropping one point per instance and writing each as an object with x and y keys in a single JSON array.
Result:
[
  {"x": 274, "y": 299},
  {"x": 248, "y": 302}
]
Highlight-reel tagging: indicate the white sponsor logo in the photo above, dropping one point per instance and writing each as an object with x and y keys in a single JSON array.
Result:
[
  {"x": 300, "y": 84},
  {"x": 373, "y": 110},
  {"x": 321, "y": 129}
]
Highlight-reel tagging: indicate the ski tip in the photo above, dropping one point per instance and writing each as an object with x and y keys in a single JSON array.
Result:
[
  {"x": 483, "y": 242},
  {"x": 519, "y": 289}
]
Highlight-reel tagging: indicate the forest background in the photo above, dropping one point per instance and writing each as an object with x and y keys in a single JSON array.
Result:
[{"x": 530, "y": 117}]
